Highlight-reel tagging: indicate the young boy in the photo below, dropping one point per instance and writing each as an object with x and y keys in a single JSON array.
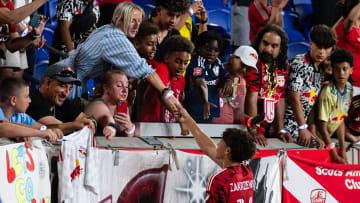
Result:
[
  {"x": 170, "y": 72},
  {"x": 14, "y": 100},
  {"x": 202, "y": 76},
  {"x": 334, "y": 103},
  {"x": 232, "y": 106}
]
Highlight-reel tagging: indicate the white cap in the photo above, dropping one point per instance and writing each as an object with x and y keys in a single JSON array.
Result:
[{"x": 248, "y": 55}]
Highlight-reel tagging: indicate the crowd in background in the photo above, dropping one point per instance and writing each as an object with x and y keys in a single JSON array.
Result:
[{"x": 148, "y": 68}]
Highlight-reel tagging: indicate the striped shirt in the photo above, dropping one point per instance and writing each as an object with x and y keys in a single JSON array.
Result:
[{"x": 107, "y": 46}]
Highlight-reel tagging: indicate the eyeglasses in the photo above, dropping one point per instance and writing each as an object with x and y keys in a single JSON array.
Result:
[{"x": 66, "y": 73}]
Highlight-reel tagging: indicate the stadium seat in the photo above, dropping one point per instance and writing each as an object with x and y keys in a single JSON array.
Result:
[
  {"x": 147, "y": 5},
  {"x": 294, "y": 35},
  {"x": 297, "y": 48},
  {"x": 220, "y": 17},
  {"x": 40, "y": 68}
]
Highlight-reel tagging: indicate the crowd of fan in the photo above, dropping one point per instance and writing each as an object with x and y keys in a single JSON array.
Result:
[{"x": 149, "y": 70}]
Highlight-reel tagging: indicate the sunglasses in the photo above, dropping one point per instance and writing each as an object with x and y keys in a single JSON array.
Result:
[{"x": 66, "y": 73}]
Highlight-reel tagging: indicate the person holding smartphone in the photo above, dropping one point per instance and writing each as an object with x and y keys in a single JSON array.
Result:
[{"x": 109, "y": 106}]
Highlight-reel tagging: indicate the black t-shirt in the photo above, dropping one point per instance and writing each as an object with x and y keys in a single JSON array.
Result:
[
  {"x": 38, "y": 108},
  {"x": 160, "y": 49}
]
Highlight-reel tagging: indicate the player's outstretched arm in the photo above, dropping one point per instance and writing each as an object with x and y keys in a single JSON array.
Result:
[{"x": 206, "y": 144}]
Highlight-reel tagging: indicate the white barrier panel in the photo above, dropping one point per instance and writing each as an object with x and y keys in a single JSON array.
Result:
[
  {"x": 24, "y": 173},
  {"x": 310, "y": 181}
]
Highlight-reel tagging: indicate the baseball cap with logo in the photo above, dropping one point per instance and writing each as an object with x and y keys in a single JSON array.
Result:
[
  {"x": 248, "y": 55},
  {"x": 62, "y": 73}
]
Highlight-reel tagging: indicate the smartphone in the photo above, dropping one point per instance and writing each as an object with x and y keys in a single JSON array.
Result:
[
  {"x": 121, "y": 107},
  {"x": 35, "y": 21}
]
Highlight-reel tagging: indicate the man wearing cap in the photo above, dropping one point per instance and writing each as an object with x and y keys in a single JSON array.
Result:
[
  {"x": 50, "y": 105},
  {"x": 242, "y": 61},
  {"x": 266, "y": 88}
]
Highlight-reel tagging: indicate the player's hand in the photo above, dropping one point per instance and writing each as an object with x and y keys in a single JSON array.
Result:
[
  {"x": 184, "y": 129},
  {"x": 206, "y": 109},
  {"x": 172, "y": 104},
  {"x": 109, "y": 132},
  {"x": 338, "y": 159},
  {"x": 304, "y": 137}
]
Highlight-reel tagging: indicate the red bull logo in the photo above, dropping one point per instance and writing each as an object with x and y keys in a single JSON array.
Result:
[
  {"x": 339, "y": 118},
  {"x": 77, "y": 171},
  {"x": 68, "y": 69},
  {"x": 254, "y": 55},
  {"x": 318, "y": 196},
  {"x": 311, "y": 97}
]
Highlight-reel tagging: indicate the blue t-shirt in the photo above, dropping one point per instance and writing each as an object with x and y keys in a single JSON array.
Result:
[
  {"x": 22, "y": 118},
  {"x": 198, "y": 68}
]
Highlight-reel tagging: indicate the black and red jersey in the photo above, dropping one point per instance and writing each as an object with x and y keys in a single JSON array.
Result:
[{"x": 233, "y": 184}]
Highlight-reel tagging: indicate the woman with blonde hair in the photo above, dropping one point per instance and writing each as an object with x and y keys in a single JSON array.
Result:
[{"x": 109, "y": 105}]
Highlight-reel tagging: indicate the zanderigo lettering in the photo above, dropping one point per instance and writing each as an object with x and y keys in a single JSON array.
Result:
[
  {"x": 352, "y": 185},
  {"x": 243, "y": 185},
  {"x": 328, "y": 172}
]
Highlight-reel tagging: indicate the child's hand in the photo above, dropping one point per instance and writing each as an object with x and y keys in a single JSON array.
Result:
[
  {"x": 206, "y": 109},
  {"x": 227, "y": 89}
]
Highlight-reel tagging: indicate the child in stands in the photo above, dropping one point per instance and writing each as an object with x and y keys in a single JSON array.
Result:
[
  {"x": 202, "y": 78},
  {"x": 334, "y": 103},
  {"x": 170, "y": 72},
  {"x": 14, "y": 122},
  {"x": 232, "y": 106}
]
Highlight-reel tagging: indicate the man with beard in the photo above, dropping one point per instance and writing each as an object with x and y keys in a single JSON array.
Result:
[
  {"x": 50, "y": 105},
  {"x": 304, "y": 86},
  {"x": 266, "y": 88},
  {"x": 167, "y": 15}
]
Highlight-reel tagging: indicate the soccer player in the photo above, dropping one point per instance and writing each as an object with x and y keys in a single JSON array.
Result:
[{"x": 235, "y": 182}]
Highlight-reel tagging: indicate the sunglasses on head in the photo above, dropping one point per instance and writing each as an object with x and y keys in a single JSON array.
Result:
[{"x": 66, "y": 73}]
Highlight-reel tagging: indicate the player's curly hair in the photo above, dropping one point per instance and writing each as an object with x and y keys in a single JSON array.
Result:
[
  {"x": 281, "y": 60},
  {"x": 174, "y": 5},
  {"x": 146, "y": 28},
  {"x": 178, "y": 43},
  {"x": 241, "y": 145}
]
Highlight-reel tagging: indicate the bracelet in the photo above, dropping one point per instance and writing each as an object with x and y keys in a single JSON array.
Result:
[
  {"x": 131, "y": 131},
  {"x": 169, "y": 94},
  {"x": 330, "y": 146},
  {"x": 303, "y": 127},
  {"x": 283, "y": 131},
  {"x": 191, "y": 11},
  {"x": 164, "y": 90},
  {"x": 203, "y": 21},
  {"x": 248, "y": 123},
  {"x": 112, "y": 125},
  {"x": 43, "y": 127}
]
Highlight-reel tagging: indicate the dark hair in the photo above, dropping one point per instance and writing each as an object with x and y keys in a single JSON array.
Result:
[
  {"x": 11, "y": 87},
  {"x": 174, "y": 5},
  {"x": 105, "y": 79},
  {"x": 342, "y": 55},
  {"x": 241, "y": 145},
  {"x": 146, "y": 28},
  {"x": 281, "y": 60},
  {"x": 323, "y": 36},
  {"x": 207, "y": 37},
  {"x": 178, "y": 43}
]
